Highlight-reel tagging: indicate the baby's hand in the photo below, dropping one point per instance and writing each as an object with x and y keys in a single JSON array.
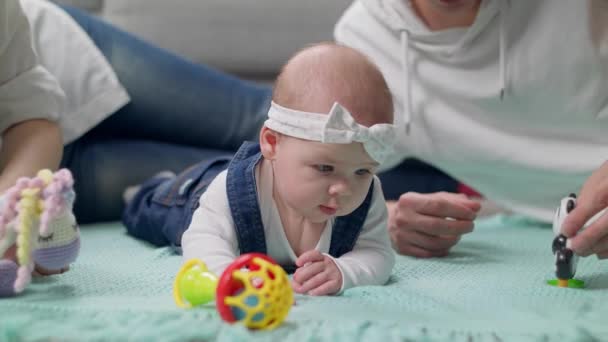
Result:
[{"x": 317, "y": 275}]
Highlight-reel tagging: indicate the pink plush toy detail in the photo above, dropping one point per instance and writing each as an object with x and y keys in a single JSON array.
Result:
[{"x": 37, "y": 217}]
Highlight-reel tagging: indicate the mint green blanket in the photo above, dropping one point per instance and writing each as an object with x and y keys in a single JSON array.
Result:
[{"x": 491, "y": 288}]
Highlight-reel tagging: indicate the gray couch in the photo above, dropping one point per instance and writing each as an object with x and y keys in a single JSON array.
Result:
[{"x": 248, "y": 37}]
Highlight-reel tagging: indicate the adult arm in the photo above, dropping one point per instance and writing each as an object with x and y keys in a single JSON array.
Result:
[{"x": 30, "y": 99}]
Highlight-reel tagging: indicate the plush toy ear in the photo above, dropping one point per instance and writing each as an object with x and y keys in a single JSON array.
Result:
[
  {"x": 571, "y": 203},
  {"x": 268, "y": 142}
]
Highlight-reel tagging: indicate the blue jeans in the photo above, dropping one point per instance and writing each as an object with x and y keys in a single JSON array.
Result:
[
  {"x": 162, "y": 209},
  {"x": 180, "y": 113}
]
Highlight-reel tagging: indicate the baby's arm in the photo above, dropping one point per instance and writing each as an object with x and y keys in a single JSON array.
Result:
[
  {"x": 369, "y": 263},
  {"x": 211, "y": 236},
  {"x": 372, "y": 259}
]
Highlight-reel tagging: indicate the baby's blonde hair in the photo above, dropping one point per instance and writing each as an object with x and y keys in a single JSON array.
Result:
[{"x": 319, "y": 75}]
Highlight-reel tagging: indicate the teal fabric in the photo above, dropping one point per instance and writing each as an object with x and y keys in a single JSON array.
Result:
[{"x": 491, "y": 288}]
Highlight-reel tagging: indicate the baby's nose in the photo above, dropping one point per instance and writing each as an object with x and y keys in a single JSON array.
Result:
[{"x": 340, "y": 188}]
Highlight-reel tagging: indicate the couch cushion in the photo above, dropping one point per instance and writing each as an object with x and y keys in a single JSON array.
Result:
[{"x": 245, "y": 37}]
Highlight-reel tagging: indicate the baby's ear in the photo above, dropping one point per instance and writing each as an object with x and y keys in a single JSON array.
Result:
[{"x": 268, "y": 142}]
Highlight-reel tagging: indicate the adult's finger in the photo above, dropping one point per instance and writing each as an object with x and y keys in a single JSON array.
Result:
[
  {"x": 602, "y": 254},
  {"x": 473, "y": 204},
  {"x": 441, "y": 226},
  {"x": 437, "y": 205},
  {"x": 405, "y": 247},
  {"x": 431, "y": 242},
  {"x": 584, "y": 243},
  {"x": 592, "y": 199}
]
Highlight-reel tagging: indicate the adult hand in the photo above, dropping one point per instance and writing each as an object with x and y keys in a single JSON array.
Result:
[
  {"x": 592, "y": 199},
  {"x": 317, "y": 275},
  {"x": 428, "y": 225}
]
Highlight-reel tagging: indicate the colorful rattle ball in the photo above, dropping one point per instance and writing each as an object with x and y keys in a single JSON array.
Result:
[
  {"x": 255, "y": 291},
  {"x": 194, "y": 285}
]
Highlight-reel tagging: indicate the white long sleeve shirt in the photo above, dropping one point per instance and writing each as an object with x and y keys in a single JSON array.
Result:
[
  {"x": 27, "y": 90},
  {"x": 212, "y": 238}
]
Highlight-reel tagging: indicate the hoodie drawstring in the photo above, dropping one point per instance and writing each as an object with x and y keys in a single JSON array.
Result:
[
  {"x": 503, "y": 31},
  {"x": 407, "y": 93},
  {"x": 408, "y": 110}
]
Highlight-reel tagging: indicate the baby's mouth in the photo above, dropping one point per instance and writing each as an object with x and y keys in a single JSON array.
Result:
[{"x": 328, "y": 210}]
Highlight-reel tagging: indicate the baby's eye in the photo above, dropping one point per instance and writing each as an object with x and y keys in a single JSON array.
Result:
[
  {"x": 324, "y": 168},
  {"x": 362, "y": 172}
]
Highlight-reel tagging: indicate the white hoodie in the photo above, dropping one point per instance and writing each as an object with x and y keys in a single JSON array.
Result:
[{"x": 515, "y": 105}]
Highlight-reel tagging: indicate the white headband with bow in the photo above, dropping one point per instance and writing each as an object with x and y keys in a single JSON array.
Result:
[{"x": 337, "y": 127}]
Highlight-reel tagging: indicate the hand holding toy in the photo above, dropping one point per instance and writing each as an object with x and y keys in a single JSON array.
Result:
[{"x": 565, "y": 258}]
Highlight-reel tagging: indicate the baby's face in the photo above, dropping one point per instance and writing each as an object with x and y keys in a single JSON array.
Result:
[{"x": 320, "y": 180}]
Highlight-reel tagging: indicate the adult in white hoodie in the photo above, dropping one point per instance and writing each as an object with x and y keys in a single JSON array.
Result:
[{"x": 510, "y": 97}]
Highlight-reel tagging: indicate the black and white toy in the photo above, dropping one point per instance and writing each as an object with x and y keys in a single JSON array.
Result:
[{"x": 565, "y": 258}]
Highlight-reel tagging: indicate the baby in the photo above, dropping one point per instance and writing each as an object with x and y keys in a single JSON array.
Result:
[{"x": 306, "y": 195}]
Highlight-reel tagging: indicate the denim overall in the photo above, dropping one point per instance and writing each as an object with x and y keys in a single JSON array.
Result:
[
  {"x": 243, "y": 200},
  {"x": 162, "y": 210}
]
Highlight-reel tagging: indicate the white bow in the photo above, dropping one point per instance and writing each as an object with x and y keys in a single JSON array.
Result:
[{"x": 338, "y": 127}]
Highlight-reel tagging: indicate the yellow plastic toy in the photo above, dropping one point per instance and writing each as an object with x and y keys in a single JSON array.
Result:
[
  {"x": 254, "y": 290},
  {"x": 194, "y": 285}
]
